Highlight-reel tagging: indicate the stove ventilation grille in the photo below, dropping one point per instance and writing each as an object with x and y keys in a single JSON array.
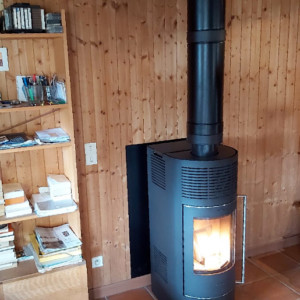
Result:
[
  {"x": 161, "y": 264},
  {"x": 207, "y": 183},
  {"x": 158, "y": 171}
]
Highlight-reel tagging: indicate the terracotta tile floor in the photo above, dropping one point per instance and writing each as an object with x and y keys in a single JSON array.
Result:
[{"x": 272, "y": 276}]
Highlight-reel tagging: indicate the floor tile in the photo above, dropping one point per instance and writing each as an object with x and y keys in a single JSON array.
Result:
[
  {"x": 252, "y": 273},
  {"x": 276, "y": 262},
  {"x": 266, "y": 289},
  {"x": 138, "y": 294},
  {"x": 293, "y": 252},
  {"x": 291, "y": 279}
]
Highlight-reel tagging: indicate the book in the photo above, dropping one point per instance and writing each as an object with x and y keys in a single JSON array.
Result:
[
  {"x": 8, "y": 245},
  {"x": 56, "y": 238},
  {"x": 7, "y": 256},
  {"x": 8, "y": 265},
  {"x": 4, "y": 244},
  {"x": 3, "y": 228},
  {"x": 16, "y": 210},
  {"x": 7, "y": 238},
  {"x": 12, "y": 190},
  {"x": 7, "y": 232},
  {"x": 44, "y": 205},
  {"x": 13, "y": 201}
]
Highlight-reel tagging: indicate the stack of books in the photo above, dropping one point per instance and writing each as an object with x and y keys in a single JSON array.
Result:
[
  {"x": 2, "y": 212},
  {"x": 53, "y": 23},
  {"x": 54, "y": 247},
  {"x": 54, "y": 199},
  {"x": 7, "y": 248},
  {"x": 23, "y": 17},
  {"x": 16, "y": 203},
  {"x": 53, "y": 135}
]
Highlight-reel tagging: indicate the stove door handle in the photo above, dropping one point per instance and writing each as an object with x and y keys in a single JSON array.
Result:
[{"x": 244, "y": 197}]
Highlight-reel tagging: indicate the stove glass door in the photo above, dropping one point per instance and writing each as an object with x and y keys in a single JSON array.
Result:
[{"x": 213, "y": 243}]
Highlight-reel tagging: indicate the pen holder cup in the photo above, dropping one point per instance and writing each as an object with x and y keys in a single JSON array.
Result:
[{"x": 35, "y": 94}]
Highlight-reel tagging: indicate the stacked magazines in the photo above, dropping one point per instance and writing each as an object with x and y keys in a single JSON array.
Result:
[{"x": 54, "y": 247}]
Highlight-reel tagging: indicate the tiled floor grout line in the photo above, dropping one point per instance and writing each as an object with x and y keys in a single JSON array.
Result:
[
  {"x": 274, "y": 277},
  {"x": 293, "y": 259},
  {"x": 150, "y": 293}
]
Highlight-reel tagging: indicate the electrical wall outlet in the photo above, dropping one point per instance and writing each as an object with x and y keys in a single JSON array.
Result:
[
  {"x": 97, "y": 262},
  {"x": 90, "y": 154}
]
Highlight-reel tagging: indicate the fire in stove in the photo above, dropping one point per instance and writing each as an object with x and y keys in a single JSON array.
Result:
[{"x": 213, "y": 244}]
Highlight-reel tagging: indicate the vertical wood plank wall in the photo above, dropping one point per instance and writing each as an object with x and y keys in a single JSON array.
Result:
[{"x": 128, "y": 73}]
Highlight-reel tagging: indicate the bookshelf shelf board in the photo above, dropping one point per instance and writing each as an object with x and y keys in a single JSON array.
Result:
[
  {"x": 27, "y": 269},
  {"x": 37, "y": 147},
  {"x": 4, "y": 220},
  {"x": 22, "y": 36},
  {"x": 33, "y": 108}
]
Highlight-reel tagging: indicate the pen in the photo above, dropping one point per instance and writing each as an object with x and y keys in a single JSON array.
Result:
[{"x": 28, "y": 88}]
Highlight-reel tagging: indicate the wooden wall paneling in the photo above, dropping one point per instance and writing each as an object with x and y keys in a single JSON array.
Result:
[
  {"x": 122, "y": 37},
  {"x": 118, "y": 252},
  {"x": 88, "y": 119},
  {"x": 281, "y": 203},
  {"x": 254, "y": 210},
  {"x": 93, "y": 188},
  {"x": 159, "y": 69},
  {"x": 236, "y": 11},
  {"x": 256, "y": 233},
  {"x": 245, "y": 55},
  {"x": 101, "y": 107},
  {"x": 290, "y": 140},
  {"x": 181, "y": 61},
  {"x": 243, "y": 122},
  {"x": 251, "y": 132},
  {"x": 170, "y": 67},
  {"x": 272, "y": 152},
  {"x": 147, "y": 69},
  {"x": 295, "y": 220},
  {"x": 72, "y": 68},
  {"x": 136, "y": 21},
  {"x": 144, "y": 45}
]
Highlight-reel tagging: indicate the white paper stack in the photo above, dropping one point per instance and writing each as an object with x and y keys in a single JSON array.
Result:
[
  {"x": 44, "y": 205},
  {"x": 59, "y": 186}
]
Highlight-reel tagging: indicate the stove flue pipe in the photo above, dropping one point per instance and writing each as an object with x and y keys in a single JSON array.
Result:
[{"x": 205, "y": 38}]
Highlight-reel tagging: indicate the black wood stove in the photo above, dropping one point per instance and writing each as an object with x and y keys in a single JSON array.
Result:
[{"x": 193, "y": 183}]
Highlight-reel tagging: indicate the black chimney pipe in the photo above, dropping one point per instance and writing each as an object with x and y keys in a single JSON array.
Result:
[{"x": 205, "y": 38}]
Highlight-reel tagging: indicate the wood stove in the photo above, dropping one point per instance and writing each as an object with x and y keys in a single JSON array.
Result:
[{"x": 193, "y": 183}]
